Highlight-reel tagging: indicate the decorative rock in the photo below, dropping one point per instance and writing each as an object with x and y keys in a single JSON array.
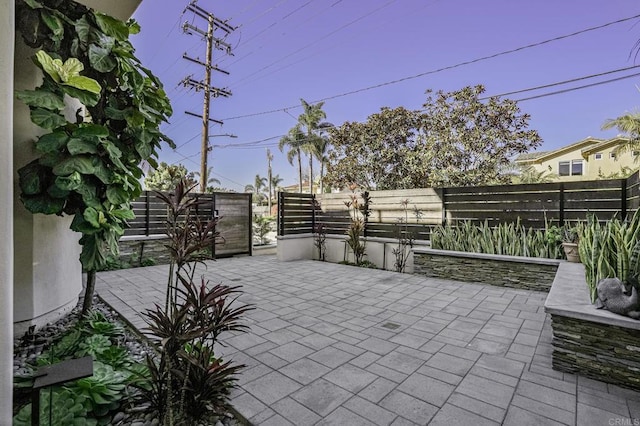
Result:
[{"x": 118, "y": 417}]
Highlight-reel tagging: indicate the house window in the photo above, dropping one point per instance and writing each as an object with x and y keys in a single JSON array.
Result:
[
  {"x": 576, "y": 168},
  {"x": 564, "y": 168},
  {"x": 570, "y": 168},
  {"x": 598, "y": 156}
]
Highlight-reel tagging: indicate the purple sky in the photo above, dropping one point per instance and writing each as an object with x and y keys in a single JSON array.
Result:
[{"x": 291, "y": 49}]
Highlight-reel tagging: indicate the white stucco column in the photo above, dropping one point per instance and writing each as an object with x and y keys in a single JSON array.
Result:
[{"x": 6, "y": 209}]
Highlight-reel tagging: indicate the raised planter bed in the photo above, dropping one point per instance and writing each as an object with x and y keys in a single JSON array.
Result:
[
  {"x": 592, "y": 342},
  {"x": 529, "y": 273}
]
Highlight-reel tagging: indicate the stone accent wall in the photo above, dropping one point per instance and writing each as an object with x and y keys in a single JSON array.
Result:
[
  {"x": 150, "y": 248},
  {"x": 603, "y": 352},
  {"x": 499, "y": 272}
]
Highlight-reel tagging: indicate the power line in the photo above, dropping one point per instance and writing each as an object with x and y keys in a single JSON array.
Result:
[
  {"x": 460, "y": 64},
  {"x": 578, "y": 87},
  {"x": 586, "y": 77},
  {"x": 342, "y": 27}
]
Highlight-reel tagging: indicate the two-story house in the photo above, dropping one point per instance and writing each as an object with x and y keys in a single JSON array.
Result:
[{"x": 588, "y": 159}]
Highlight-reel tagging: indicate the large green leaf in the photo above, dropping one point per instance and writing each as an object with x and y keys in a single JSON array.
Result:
[
  {"x": 54, "y": 23},
  {"x": 90, "y": 256},
  {"x": 112, "y": 26},
  {"x": 81, "y": 163},
  {"x": 82, "y": 146},
  {"x": 56, "y": 192},
  {"x": 32, "y": 178},
  {"x": 114, "y": 154},
  {"x": 101, "y": 171},
  {"x": 41, "y": 98},
  {"x": 117, "y": 195},
  {"x": 92, "y": 216},
  {"x": 134, "y": 27},
  {"x": 69, "y": 183},
  {"x": 86, "y": 97},
  {"x": 51, "y": 159},
  {"x": 43, "y": 203},
  {"x": 47, "y": 119},
  {"x": 100, "y": 60},
  {"x": 79, "y": 224},
  {"x": 52, "y": 142},
  {"x": 90, "y": 130},
  {"x": 33, "y": 4},
  {"x": 49, "y": 65},
  {"x": 84, "y": 83},
  {"x": 83, "y": 29},
  {"x": 124, "y": 214}
]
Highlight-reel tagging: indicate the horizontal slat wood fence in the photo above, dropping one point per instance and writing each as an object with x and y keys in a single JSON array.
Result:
[
  {"x": 532, "y": 204},
  {"x": 234, "y": 227}
]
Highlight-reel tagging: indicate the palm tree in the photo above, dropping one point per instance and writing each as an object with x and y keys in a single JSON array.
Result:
[
  {"x": 629, "y": 124},
  {"x": 211, "y": 181},
  {"x": 295, "y": 140},
  {"x": 258, "y": 184},
  {"x": 275, "y": 183},
  {"x": 319, "y": 150},
  {"x": 311, "y": 122}
]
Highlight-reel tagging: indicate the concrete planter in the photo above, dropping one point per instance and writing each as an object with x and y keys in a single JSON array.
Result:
[{"x": 571, "y": 252}]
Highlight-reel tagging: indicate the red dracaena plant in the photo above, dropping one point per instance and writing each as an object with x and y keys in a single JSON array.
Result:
[{"x": 189, "y": 381}]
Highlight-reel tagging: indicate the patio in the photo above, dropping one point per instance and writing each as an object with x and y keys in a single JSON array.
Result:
[{"x": 337, "y": 345}]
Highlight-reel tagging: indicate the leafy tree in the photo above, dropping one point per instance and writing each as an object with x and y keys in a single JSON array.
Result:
[
  {"x": 88, "y": 168},
  {"x": 295, "y": 140},
  {"x": 455, "y": 140},
  {"x": 529, "y": 174},
  {"x": 258, "y": 186},
  {"x": 630, "y": 125},
  {"x": 166, "y": 176}
]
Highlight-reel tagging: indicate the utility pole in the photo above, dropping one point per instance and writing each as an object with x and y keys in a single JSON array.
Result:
[
  {"x": 269, "y": 158},
  {"x": 213, "y": 23}
]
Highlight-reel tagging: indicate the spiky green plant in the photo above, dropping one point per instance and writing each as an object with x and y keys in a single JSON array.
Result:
[
  {"x": 610, "y": 249},
  {"x": 511, "y": 239}
]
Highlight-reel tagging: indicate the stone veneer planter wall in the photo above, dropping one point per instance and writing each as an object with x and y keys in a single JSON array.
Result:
[
  {"x": 529, "y": 273},
  {"x": 593, "y": 342},
  {"x": 150, "y": 247}
]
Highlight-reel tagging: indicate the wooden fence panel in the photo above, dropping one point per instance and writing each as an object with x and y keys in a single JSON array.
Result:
[
  {"x": 235, "y": 227},
  {"x": 533, "y": 205}
]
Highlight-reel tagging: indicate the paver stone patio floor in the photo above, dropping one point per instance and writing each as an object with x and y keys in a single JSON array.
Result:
[{"x": 334, "y": 344}]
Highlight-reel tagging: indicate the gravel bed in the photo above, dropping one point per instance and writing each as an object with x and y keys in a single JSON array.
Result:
[{"x": 28, "y": 347}]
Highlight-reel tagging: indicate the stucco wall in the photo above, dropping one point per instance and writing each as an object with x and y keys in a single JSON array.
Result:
[
  {"x": 48, "y": 275},
  {"x": 6, "y": 209}
]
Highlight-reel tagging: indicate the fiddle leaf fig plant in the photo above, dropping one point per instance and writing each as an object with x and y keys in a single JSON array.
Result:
[{"x": 88, "y": 167}]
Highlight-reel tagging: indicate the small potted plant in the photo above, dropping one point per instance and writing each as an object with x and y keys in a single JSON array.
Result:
[{"x": 570, "y": 244}]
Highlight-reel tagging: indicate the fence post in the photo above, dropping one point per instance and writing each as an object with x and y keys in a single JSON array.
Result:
[
  {"x": 213, "y": 217},
  {"x": 623, "y": 198},
  {"x": 281, "y": 213},
  {"x": 251, "y": 225},
  {"x": 313, "y": 213},
  {"x": 561, "y": 205},
  {"x": 443, "y": 196},
  {"x": 146, "y": 209}
]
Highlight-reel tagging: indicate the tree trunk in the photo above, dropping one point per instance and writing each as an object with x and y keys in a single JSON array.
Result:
[
  {"x": 299, "y": 172},
  {"x": 310, "y": 173},
  {"x": 321, "y": 176},
  {"x": 88, "y": 293}
]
